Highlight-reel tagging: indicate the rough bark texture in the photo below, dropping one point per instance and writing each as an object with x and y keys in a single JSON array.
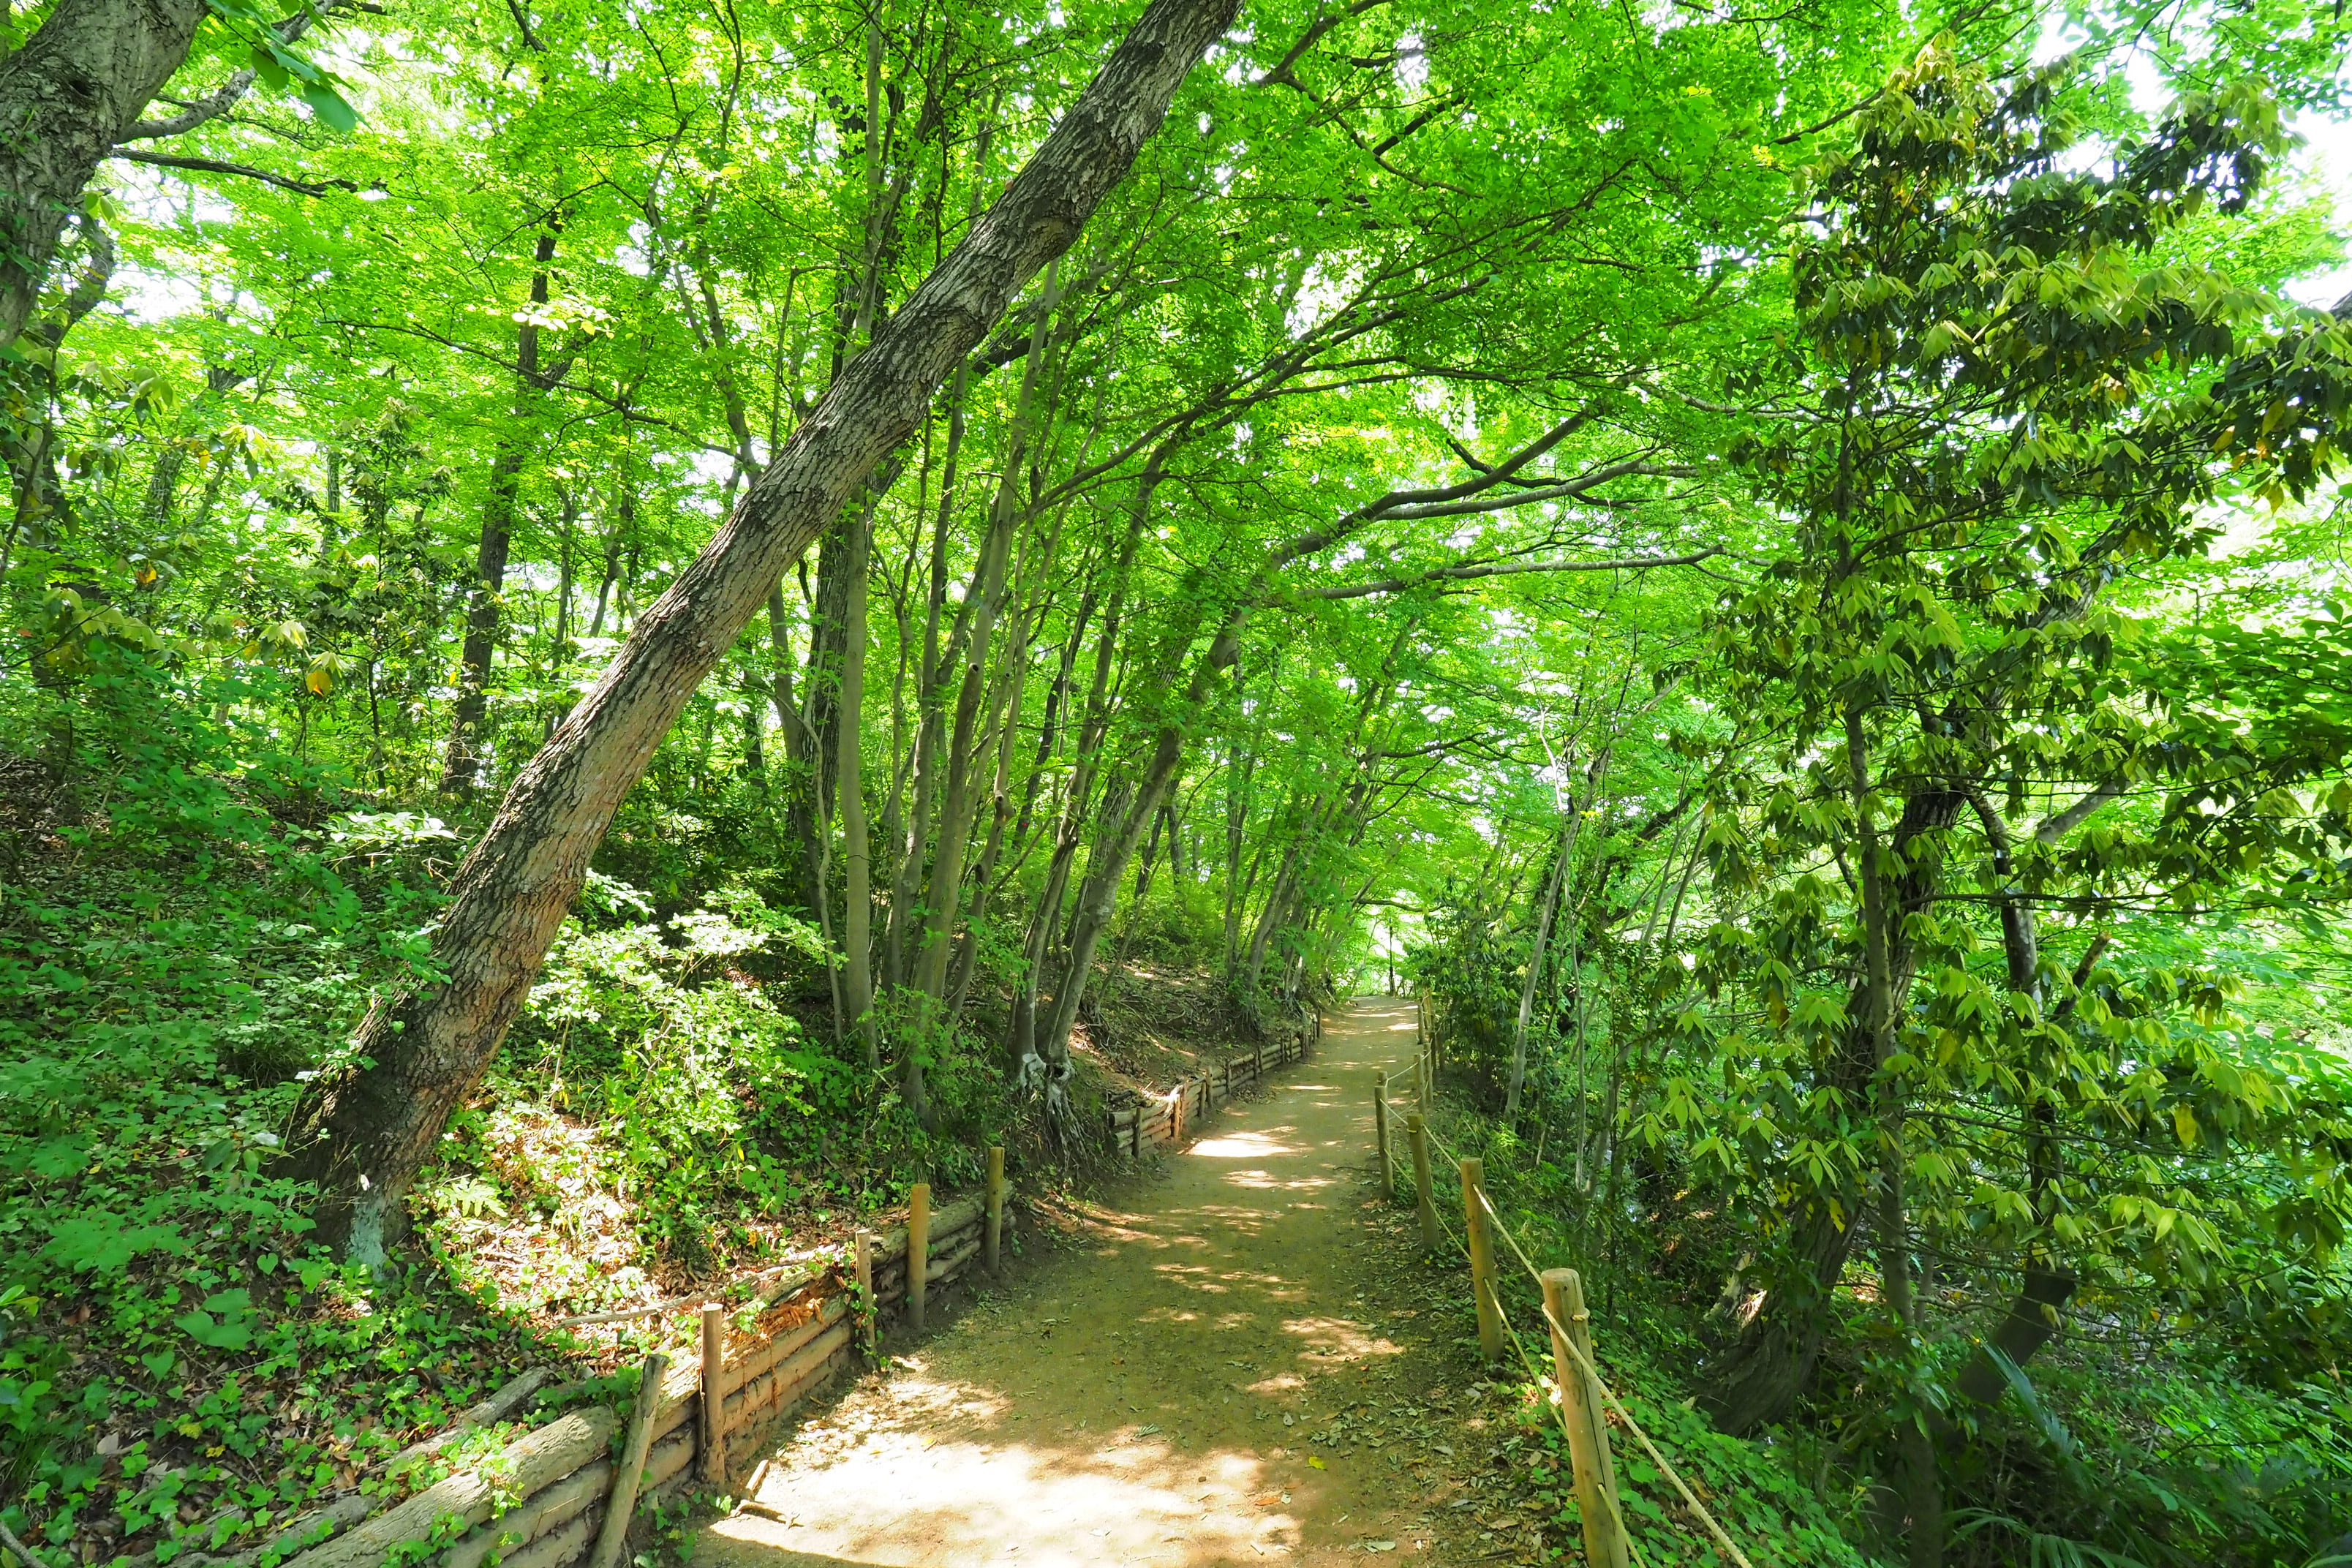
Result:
[
  {"x": 373, "y": 1130},
  {"x": 74, "y": 90}
]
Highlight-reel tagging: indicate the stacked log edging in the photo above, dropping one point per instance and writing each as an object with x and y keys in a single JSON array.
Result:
[
  {"x": 539, "y": 1501},
  {"x": 1161, "y": 1122}
]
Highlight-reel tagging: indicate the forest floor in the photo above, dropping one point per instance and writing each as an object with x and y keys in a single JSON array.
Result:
[{"x": 1236, "y": 1360}]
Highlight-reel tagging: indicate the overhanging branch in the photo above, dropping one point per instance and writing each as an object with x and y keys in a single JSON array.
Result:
[
  {"x": 243, "y": 171},
  {"x": 1504, "y": 569}
]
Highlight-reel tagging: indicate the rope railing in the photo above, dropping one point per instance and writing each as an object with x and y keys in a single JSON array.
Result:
[
  {"x": 1585, "y": 1363},
  {"x": 1560, "y": 1409},
  {"x": 1562, "y": 1339}
]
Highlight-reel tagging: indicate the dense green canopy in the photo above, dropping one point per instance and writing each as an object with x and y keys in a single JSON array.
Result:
[{"x": 1780, "y": 566}]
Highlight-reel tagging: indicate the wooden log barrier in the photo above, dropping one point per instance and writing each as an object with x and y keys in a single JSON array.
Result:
[
  {"x": 537, "y": 1459},
  {"x": 994, "y": 1244},
  {"x": 1588, "y": 1427},
  {"x": 760, "y": 1400},
  {"x": 558, "y": 1546},
  {"x": 765, "y": 1370},
  {"x": 1482, "y": 1259},
  {"x": 626, "y": 1481},
  {"x": 1381, "y": 1125}
]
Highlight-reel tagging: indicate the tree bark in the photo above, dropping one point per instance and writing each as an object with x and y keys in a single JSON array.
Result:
[
  {"x": 75, "y": 89},
  {"x": 1094, "y": 726},
  {"x": 461, "y": 772},
  {"x": 986, "y": 605},
  {"x": 857, "y": 897},
  {"x": 426, "y": 1045},
  {"x": 1099, "y": 895},
  {"x": 1536, "y": 961},
  {"x": 1758, "y": 1377}
]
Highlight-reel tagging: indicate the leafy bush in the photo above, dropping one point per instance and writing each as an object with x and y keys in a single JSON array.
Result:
[{"x": 704, "y": 1089}]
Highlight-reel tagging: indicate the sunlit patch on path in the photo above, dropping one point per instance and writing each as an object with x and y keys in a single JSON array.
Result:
[{"x": 1146, "y": 1398}]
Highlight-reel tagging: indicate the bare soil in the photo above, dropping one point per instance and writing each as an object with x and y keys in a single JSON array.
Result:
[{"x": 1223, "y": 1368}]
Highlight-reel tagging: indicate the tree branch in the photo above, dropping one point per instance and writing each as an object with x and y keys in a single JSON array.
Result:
[
  {"x": 1503, "y": 569},
  {"x": 196, "y": 113},
  {"x": 2075, "y": 815},
  {"x": 217, "y": 166}
]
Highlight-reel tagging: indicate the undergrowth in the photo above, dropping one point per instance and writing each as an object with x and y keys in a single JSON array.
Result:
[
  {"x": 2120, "y": 1450},
  {"x": 193, "y": 920}
]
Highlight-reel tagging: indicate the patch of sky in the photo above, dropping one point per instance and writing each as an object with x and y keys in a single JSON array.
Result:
[{"x": 1411, "y": 63}]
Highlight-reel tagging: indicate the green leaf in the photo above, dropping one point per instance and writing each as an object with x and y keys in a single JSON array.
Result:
[{"x": 329, "y": 106}]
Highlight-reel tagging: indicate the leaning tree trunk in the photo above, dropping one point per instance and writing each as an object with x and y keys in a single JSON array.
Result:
[
  {"x": 67, "y": 98},
  {"x": 429, "y": 1043},
  {"x": 1099, "y": 894}
]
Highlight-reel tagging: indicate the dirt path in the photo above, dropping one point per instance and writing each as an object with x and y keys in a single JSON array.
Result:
[{"x": 1152, "y": 1394}]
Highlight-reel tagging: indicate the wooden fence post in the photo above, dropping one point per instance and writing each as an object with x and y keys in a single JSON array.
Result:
[
  {"x": 714, "y": 1393},
  {"x": 631, "y": 1471},
  {"x": 994, "y": 1257},
  {"x": 1418, "y": 1131},
  {"x": 1482, "y": 1259},
  {"x": 1588, "y": 1428},
  {"x": 863, "y": 1247},
  {"x": 1381, "y": 1129},
  {"x": 919, "y": 1252}
]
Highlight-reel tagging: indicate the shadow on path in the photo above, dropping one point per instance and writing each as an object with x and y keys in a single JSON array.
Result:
[{"x": 1147, "y": 1397}]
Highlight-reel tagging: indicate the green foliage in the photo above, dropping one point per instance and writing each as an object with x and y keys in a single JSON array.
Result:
[{"x": 1739, "y": 482}]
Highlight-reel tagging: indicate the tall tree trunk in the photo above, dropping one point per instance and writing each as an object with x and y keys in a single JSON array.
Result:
[
  {"x": 1099, "y": 895},
  {"x": 1922, "y": 1492},
  {"x": 810, "y": 814},
  {"x": 370, "y": 1130},
  {"x": 1093, "y": 728},
  {"x": 1518, "y": 1075},
  {"x": 1759, "y": 1377},
  {"x": 624, "y": 525},
  {"x": 857, "y": 897},
  {"x": 461, "y": 771},
  {"x": 986, "y": 604},
  {"x": 74, "y": 90},
  {"x": 1006, "y": 706}
]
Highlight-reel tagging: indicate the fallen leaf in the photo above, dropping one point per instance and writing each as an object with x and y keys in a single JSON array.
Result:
[
  {"x": 1314, "y": 1463},
  {"x": 1380, "y": 1546}
]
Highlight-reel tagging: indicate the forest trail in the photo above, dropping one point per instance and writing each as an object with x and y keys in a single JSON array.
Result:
[{"x": 1126, "y": 1402}]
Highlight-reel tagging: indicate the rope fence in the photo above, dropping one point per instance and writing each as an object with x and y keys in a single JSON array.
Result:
[{"x": 1576, "y": 1380}]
